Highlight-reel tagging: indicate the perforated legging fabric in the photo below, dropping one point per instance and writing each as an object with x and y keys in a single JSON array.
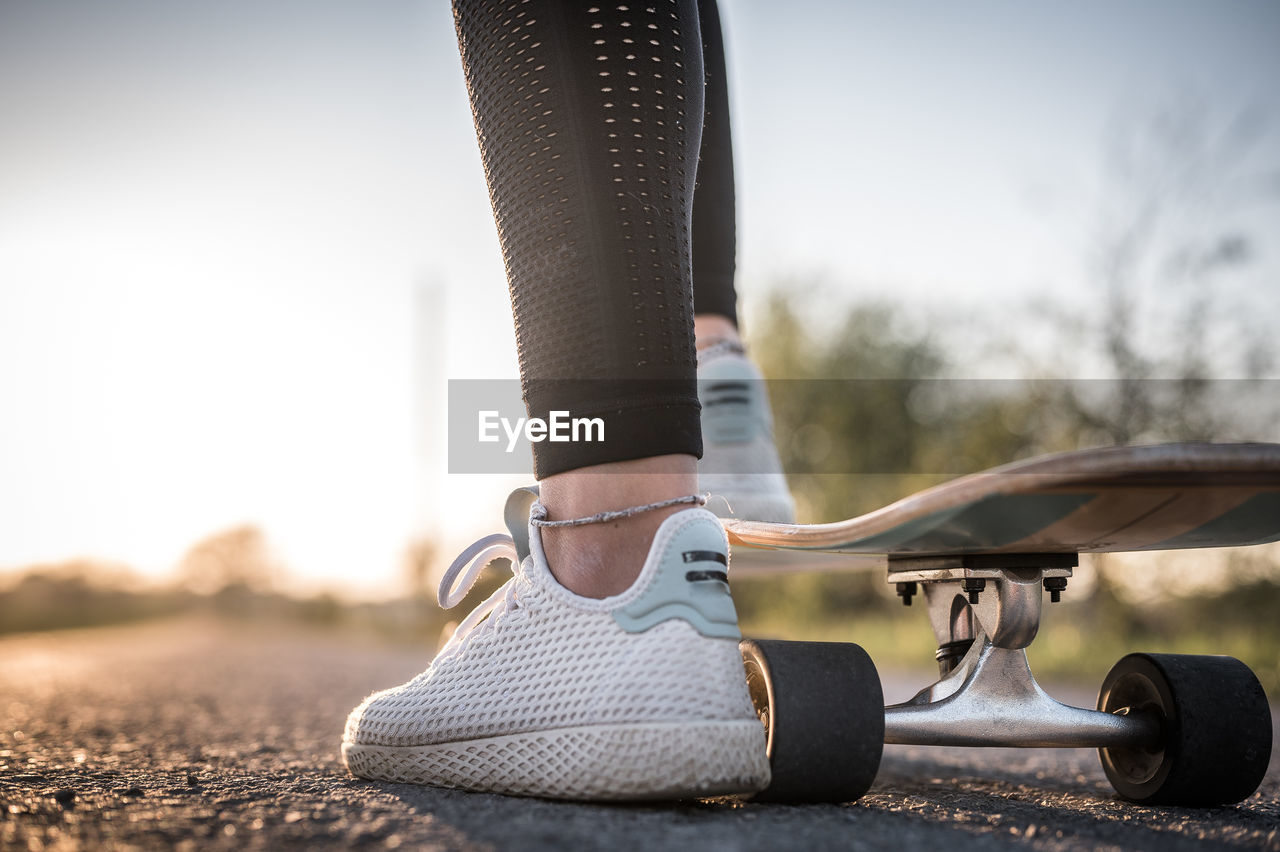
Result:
[
  {"x": 714, "y": 225},
  {"x": 590, "y": 122}
]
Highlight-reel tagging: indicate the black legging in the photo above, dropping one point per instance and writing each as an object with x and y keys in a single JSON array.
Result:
[{"x": 595, "y": 122}]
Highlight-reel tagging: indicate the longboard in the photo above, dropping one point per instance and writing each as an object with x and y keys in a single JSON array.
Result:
[
  {"x": 981, "y": 550},
  {"x": 1161, "y": 497}
]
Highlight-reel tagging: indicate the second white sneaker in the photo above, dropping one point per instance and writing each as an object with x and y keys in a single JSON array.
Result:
[{"x": 740, "y": 467}]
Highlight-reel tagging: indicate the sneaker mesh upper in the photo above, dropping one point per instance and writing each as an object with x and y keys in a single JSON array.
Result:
[{"x": 553, "y": 660}]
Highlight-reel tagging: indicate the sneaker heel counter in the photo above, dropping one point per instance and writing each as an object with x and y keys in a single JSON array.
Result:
[{"x": 690, "y": 583}]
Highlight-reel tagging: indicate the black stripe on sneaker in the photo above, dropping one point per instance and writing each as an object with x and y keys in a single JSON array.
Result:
[
  {"x": 695, "y": 576},
  {"x": 705, "y": 556}
]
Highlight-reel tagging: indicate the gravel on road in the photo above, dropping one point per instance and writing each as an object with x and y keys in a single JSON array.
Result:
[{"x": 206, "y": 735}]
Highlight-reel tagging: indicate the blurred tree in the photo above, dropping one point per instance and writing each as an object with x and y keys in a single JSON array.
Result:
[
  {"x": 239, "y": 558},
  {"x": 1182, "y": 189},
  {"x": 867, "y": 411}
]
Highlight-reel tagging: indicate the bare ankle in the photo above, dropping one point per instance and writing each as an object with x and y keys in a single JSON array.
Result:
[
  {"x": 709, "y": 329},
  {"x": 599, "y": 560}
]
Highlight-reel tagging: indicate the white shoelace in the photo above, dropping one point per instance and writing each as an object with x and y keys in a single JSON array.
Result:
[{"x": 469, "y": 564}]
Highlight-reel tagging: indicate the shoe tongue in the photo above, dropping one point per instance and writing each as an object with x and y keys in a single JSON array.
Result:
[{"x": 516, "y": 515}]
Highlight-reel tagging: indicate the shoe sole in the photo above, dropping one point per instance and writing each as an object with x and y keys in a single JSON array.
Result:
[{"x": 660, "y": 760}]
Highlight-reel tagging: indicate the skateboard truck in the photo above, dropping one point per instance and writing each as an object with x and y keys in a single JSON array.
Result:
[{"x": 987, "y": 695}]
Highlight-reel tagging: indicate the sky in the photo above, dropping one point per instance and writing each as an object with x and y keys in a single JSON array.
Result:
[{"x": 244, "y": 245}]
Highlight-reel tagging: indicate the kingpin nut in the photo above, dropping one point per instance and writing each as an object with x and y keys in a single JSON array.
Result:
[
  {"x": 974, "y": 587},
  {"x": 1055, "y": 586}
]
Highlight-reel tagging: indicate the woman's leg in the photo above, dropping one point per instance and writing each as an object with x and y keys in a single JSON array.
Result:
[{"x": 590, "y": 119}]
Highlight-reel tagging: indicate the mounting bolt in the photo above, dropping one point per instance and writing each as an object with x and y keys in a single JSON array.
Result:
[
  {"x": 906, "y": 591},
  {"x": 974, "y": 587},
  {"x": 1055, "y": 586}
]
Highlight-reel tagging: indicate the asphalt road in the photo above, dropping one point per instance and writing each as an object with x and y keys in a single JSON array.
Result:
[{"x": 199, "y": 736}]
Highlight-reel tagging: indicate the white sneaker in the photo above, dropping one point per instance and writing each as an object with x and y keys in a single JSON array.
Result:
[
  {"x": 739, "y": 468},
  {"x": 637, "y": 696}
]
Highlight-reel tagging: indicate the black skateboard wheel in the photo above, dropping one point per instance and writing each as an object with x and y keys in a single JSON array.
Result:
[
  {"x": 823, "y": 712},
  {"x": 1215, "y": 729}
]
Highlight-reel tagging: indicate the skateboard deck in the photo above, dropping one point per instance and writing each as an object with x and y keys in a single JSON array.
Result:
[{"x": 1160, "y": 497}]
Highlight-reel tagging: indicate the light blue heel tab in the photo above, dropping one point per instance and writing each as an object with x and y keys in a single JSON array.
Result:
[
  {"x": 516, "y": 515},
  {"x": 690, "y": 581}
]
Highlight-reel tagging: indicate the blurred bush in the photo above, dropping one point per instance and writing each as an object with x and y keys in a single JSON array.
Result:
[{"x": 81, "y": 593}]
